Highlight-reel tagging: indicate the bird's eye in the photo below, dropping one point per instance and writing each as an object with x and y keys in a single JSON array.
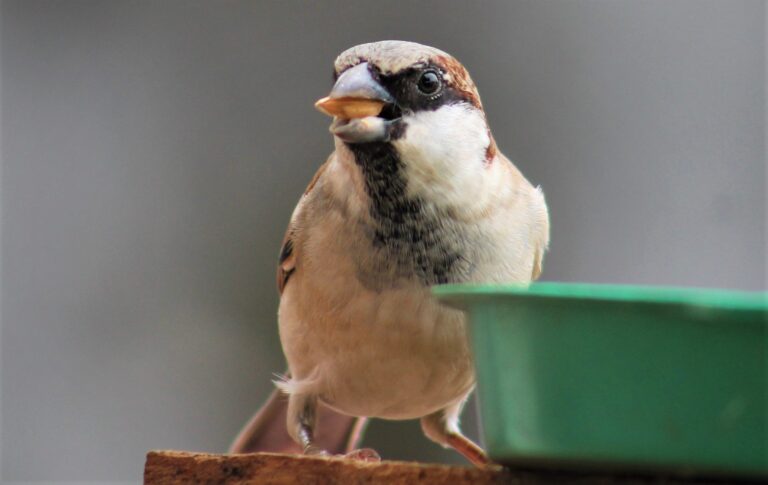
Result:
[{"x": 429, "y": 82}]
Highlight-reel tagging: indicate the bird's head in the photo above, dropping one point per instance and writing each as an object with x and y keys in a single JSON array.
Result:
[{"x": 412, "y": 97}]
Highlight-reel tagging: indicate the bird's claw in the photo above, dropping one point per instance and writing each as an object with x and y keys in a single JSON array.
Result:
[
  {"x": 363, "y": 454},
  {"x": 315, "y": 451}
]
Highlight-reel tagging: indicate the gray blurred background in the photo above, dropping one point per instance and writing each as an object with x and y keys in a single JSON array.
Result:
[{"x": 152, "y": 153}]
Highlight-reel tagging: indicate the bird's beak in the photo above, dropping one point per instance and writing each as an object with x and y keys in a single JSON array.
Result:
[
  {"x": 356, "y": 94},
  {"x": 356, "y": 101}
]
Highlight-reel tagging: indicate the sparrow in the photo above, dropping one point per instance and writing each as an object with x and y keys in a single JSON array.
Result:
[{"x": 415, "y": 194}]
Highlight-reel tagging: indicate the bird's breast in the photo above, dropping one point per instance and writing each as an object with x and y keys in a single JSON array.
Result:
[
  {"x": 394, "y": 353},
  {"x": 405, "y": 237}
]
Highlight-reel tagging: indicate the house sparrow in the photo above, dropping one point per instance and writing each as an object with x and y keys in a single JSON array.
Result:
[{"x": 415, "y": 194}]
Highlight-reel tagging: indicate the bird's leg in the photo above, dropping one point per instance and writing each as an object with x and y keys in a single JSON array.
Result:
[
  {"x": 442, "y": 427},
  {"x": 468, "y": 448},
  {"x": 302, "y": 417},
  {"x": 302, "y": 422}
]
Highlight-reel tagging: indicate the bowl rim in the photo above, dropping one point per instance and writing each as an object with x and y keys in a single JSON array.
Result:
[{"x": 700, "y": 297}]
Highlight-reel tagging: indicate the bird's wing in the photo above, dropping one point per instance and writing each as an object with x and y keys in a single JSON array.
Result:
[
  {"x": 538, "y": 258},
  {"x": 535, "y": 207},
  {"x": 288, "y": 253},
  {"x": 540, "y": 231},
  {"x": 266, "y": 431}
]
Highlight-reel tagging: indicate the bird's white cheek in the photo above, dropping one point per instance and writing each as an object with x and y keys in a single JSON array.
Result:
[{"x": 443, "y": 153}]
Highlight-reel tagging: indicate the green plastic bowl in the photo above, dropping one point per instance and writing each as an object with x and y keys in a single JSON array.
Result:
[{"x": 638, "y": 377}]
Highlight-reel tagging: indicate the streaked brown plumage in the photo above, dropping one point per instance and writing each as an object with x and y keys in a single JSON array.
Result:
[{"x": 415, "y": 196}]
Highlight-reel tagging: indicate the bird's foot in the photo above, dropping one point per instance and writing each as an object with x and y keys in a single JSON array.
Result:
[
  {"x": 313, "y": 450},
  {"x": 469, "y": 449},
  {"x": 363, "y": 454}
]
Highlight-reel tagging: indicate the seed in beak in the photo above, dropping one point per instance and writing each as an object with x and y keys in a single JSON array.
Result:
[{"x": 349, "y": 108}]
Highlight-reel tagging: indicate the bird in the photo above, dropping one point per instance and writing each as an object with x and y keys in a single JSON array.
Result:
[{"x": 416, "y": 193}]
